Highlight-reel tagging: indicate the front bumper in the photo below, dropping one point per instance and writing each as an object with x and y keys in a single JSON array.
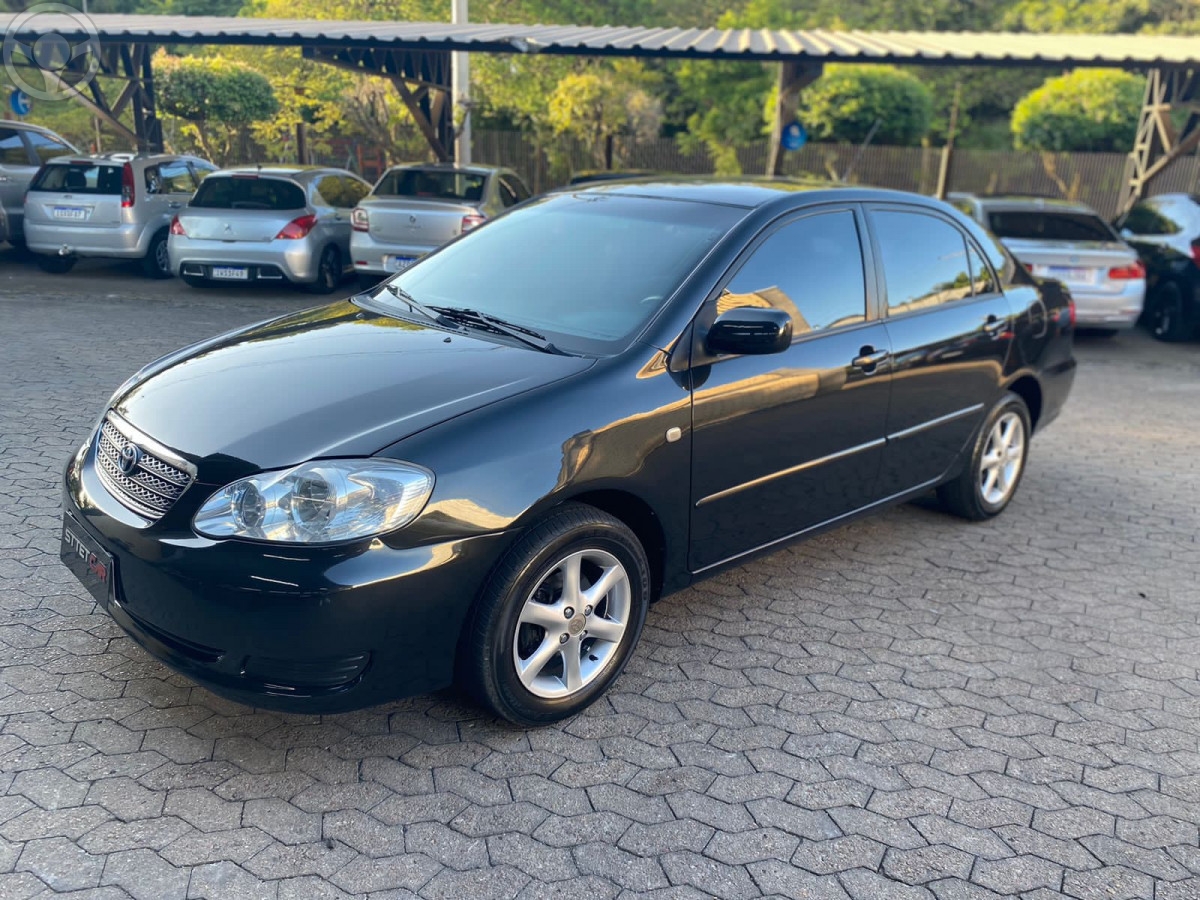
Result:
[
  {"x": 129, "y": 241},
  {"x": 293, "y": 628},
  {"x": 276, "y": 260}
]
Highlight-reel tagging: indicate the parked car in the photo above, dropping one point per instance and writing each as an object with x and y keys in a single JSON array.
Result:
[
  {"x": 23, "y": 149},
  {"x": 414, "y": 209},
  {"x": 466, "y": 475},
  {"x": 1165, "y": 230},
  {"x": 270, "y": 224},
  {"x": 116, "y": 205},
  {"x": 1069, "y": 242}
]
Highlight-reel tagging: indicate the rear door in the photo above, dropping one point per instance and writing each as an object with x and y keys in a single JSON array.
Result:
[
  {"x": 80, "y": 193},
  {"x": 950, "y": 329},
  {"x": 785, "y": 442},
  {"x": 16, "y": 169}
]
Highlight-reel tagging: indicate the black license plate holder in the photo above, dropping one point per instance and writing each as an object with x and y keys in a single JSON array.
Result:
[{"x": 90, "y": 563}]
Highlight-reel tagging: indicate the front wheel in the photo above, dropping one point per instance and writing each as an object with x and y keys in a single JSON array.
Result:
[
  {"x": 558, "y": 619},
  {"x": 997, "y": 463},
  {"x": 1167, "y": 313}
]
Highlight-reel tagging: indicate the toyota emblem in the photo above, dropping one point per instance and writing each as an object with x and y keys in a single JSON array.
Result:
[{"x": 130, "y": 457}]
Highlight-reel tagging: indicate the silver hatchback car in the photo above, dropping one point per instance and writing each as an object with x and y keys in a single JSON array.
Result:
[
  {"x": 23, "y": 149},
  {"x": 414, "y": 209},
  {"x": 270, "y": 224},
  {"x": 115, "y": 205}
]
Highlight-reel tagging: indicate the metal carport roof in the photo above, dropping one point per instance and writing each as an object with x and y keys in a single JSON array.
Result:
[{"x": 923, "y": 48}]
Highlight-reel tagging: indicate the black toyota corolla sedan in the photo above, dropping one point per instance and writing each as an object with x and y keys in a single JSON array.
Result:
[{"x": 486, "y": 468}]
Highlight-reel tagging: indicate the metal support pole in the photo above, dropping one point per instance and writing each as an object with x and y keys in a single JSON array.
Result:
[
  {"x": 460, "y": 80},
  {"x": 153, "y": 127}
]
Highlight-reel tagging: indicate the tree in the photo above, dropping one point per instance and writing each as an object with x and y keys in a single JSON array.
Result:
[
  {"x": 1089, "y": 110},
  {"x": 846, "y": 102},
  {"x": 597, "y": 105},
  {"x": 217, "y": 97}
]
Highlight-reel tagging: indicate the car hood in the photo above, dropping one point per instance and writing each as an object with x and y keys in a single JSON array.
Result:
[{"x": 333, "y": 381}]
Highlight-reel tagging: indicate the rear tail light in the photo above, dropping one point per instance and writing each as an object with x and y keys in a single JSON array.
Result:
[
  {"x": 1132, "y": 271},
  {"x": 177, "y": 227},
  {"x": 359, "y": 220},
  {"x": 1196, "y": 252},
  {"x": 474, "y": 220},
  {"x": 297, "y": 228},
  {"x": 128, "y": 191}
]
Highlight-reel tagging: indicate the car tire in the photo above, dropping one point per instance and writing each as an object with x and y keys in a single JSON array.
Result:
[
  {"x": 329, "y": 272},
  {"x": 516, "y": 656},
  {"x": 55, "y": 264},
  {"x": 157, "y": 263},
  {"x": 1166, "y": 313},
  {"x": 998, "y": 455}
]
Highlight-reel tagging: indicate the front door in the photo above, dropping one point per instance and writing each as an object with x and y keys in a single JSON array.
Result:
[
  {"x": 950, "y": 329},
  {"x": 784, "y": 442}
]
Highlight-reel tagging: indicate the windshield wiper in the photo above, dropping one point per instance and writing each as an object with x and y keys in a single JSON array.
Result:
[
  {"x": 430, "y": 313},
  {"x": 494, "y": 323}
]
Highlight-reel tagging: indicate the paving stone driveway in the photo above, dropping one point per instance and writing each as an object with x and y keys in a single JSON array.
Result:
[{"x": 909, "y": 707}]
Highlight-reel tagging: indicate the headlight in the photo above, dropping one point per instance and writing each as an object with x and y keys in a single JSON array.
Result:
[{"x": 318, "y": 502}]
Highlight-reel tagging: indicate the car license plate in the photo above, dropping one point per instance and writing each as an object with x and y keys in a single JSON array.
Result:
[
  {"x": 90, "y": 562},
  {"x": 398, "y": 263},
  {"x": 1073, "y": 274},
  {"x": 72, "y": 213},
  {"x": 231, "y": 273}
]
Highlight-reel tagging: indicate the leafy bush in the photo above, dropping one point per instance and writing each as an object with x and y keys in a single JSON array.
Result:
[
  {"x": 846, "y": 101},
  {"x": 1086, "y": 110}
]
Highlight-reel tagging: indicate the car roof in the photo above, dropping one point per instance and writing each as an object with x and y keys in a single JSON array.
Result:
[
  {"x": 471, "y": 168},
  {"x": 748, "y": 192},
  {"x": 1018, "y": 202},
  {"x": 294, "y": 172},
  {"x": 117, "y": 157}
]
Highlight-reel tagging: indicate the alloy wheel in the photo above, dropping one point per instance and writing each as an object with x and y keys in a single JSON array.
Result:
[
  {"x": 571, "y": 624},
  {"x": 1002, "y": 460}
]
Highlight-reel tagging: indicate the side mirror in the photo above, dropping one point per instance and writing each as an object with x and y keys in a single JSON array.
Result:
[{"x": 750, "y": 330}]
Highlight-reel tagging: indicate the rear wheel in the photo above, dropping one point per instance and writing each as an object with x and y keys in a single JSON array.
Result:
[
  {"x": 1166, "y": 313},
  {"x": 329, "y": 272},
  {"x": 558, "y": 619},
  {"x": 997, "y": 463},
  {"x": 157, "y": 262},
  {"x": 56, "y": 265}
]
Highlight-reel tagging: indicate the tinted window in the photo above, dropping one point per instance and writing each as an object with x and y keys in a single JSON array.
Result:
[
  {"x": 174, "y": 178},
  {"x": 924, "y": 260},
  {"x": 12, "y": 148},
  {"x": 332, "y": 189},
  {"x": 1035, "y": 225},
  {"x": 202, "y": 169},
  {"x": 248, "y": 192},
  {"x": 514, "y": 186},
  {"x": 1150, "y": 217},
  {"x": 79, "y": 179},
  {"x": 47, "y": 148},
  {"x": 507, "y": 195},
  {"x": 588, "y": 273},
  {"x": 811, "y": 268},
  {"x": 982, "y": 281},
  {"x": 432, "y": 184}
]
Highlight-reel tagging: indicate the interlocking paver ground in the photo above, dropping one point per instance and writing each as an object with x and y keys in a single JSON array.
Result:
[{"x": 907, "y": 707}]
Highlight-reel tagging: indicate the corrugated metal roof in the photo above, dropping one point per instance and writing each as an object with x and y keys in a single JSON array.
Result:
[{"x": 937, "y": 48}]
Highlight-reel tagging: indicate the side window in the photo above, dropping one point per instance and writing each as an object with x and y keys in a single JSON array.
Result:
[
  {"x": 12, "y": 148},
  {"x": 1148, "y": 217},
  {"x": 176, "y": 177},
  {"x": 201, "y": 170},
  {"x": 332, "y": 190},
  {"x": 812, "y": 268},
  {"x": 46, "y": 148},
  {"x": 154, "y": 182},
  {"x": 924, "y": 260},
  {"x": 354, "y": 190},
  {"x": 517, "y": 186},
  {"x": 982, "y": 281},
  {"x": 507, "y": 195}
]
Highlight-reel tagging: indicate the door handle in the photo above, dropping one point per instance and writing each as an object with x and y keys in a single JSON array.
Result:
[
  {"x": 868, "y": 359},
  {"x": 174, "y": 204},
  {"x": 995, "y": 326}
]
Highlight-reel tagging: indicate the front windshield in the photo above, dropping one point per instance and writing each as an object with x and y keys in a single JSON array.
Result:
[{"x": 585, "y": 270}]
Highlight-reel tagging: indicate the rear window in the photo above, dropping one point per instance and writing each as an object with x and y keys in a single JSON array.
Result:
[
  {"x": 432, "y": 184},
  {"x": 234, "y": 192},
  {"x": 78, "y": 179},
  {"x": 1050, "y": 226}
]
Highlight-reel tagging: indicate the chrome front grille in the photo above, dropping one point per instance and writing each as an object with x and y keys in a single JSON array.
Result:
[{"x": 152, "y": 484}]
